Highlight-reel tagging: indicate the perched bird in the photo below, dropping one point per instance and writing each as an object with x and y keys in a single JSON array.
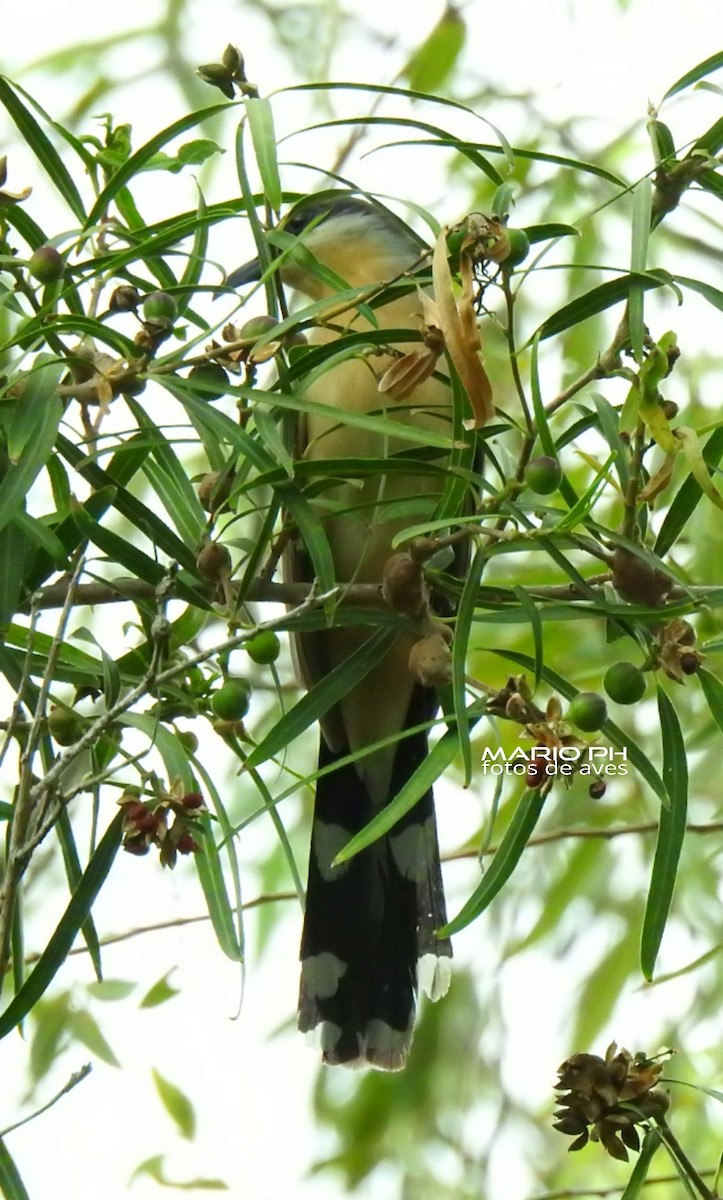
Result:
[{"x": 369, "y": 941}]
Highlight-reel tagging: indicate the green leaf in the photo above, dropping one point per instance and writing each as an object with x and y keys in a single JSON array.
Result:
[
  {"x": 548, "y": 231},
  {"x": 598, "y": 299},
  {"x": 713, "y": 691},
  {"x": 671, "y": 832},
  {"x": 85, "y": 1029},
  {"x": 639, "y": 1174},
  {"x": 167, "y": 745},
  {"x": 160, "y": 992},
  {"x": 74, "y": 875},
  {"x": 40, "y": 437},
  {"x": 320, "y": 698},
  {"x": 712, "y": 294},
  {"x": 144, "y": 519},
  {"x": 11, "y": 1185},
  {"x": 56, "y": 951},
  {"x": 111, "y": 989},
  {"x": 532, "y": 613},
  {"x": 510, "y": 850},
  {"x": 608, "y": 420},
  {"x": 695, "y": 73},
  {"x": 261, "y": 123},
  {"x": 687, "y": 497},
  {"x": 547, "y": 441},
  {"x": 137, "y": 161},
  {"x": 688, "y": 438},
  {"x": 426, "y": 774},
  {"x": 176, "y": 1104},
  {"x": 16, "y": 559},
  {"x": 170, "y": 481},
  {"x": 638, "y": 262},
  {"x": 210, "y": 874},
  {"x": 434, "y": 60},
  {"x": 154, "y": 1169},
  {"x": 463, "y": 624},
  {"x": 42, "y": 148}
]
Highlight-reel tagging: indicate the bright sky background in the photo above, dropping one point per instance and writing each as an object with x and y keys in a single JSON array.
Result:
[{"x": 579, "y": 56}]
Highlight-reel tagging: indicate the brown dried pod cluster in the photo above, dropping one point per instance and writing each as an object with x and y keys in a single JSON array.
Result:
[
  {"x": 606, "y": 1098},
  {"x": 675, "y": 651}
]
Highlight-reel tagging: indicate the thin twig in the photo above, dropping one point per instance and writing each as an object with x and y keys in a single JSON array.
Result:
[{"x": 76, "y": 1078}]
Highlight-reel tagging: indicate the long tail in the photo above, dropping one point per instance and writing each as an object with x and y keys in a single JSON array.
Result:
[{"x": 369, "y": 942}]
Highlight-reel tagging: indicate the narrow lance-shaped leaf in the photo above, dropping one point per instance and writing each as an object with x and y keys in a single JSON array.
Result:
[
  {"x": 712, "y": 689},
  {"x": 438, "y": 759},
  {"x": 695, "y": 73},
  {"x": 11, "y": 1185},
  {"x": 261, "y": 124},
  {"x": 463, "y": 624},
  {"x": 56, "y": 951},
  {"x": 638, "y": 262},
  {"x": 319, "y": 699},
  {"x": 504, "y": 862},
  {"x": 698, "y": 468},
  {"x": 42, "y": 148},
  {"x": 671, "y": 832},
  {"x": 38, "y": 439}
]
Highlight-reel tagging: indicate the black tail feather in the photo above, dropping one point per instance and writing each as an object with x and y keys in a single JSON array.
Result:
[{"x": 370, "y": 921}]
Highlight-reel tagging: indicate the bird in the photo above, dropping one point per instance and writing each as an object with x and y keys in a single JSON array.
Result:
[{"x": 369, "y": 943}]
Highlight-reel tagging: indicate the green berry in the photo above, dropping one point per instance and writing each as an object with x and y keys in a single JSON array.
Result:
[
  {"x": 264, "y": 648},
  {"x": 211, "y": 378},
  {"x": 65, "y": 726},
  {"x": 188, "y": 740},
  {"x": 46, "y": 264},
  {"x": 543, "y": 475},
  {"x": 231, "y": 702},
  {"x": 160, "y": 309},
  {"x": 624, "y": 683},
  {"x": 258, "y": 327},
  {"x": 519, "y": 248},
  {"x": 588, "y": 711}
]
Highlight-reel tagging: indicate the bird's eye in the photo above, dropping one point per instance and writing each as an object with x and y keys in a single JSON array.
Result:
[{"x": 296, "y": 223}]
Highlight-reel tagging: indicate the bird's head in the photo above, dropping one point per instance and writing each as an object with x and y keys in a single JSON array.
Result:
[{"x": 357, "y": 241}]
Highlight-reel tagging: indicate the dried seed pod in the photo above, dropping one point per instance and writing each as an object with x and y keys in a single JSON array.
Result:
[
  {"x": 430, "y": 661},
  {"x": 636, "y": 581},
  {"x": 214, "y": 490},
  {"x": 403, "y": 585},
  {"x": 214, "y": 562}
]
